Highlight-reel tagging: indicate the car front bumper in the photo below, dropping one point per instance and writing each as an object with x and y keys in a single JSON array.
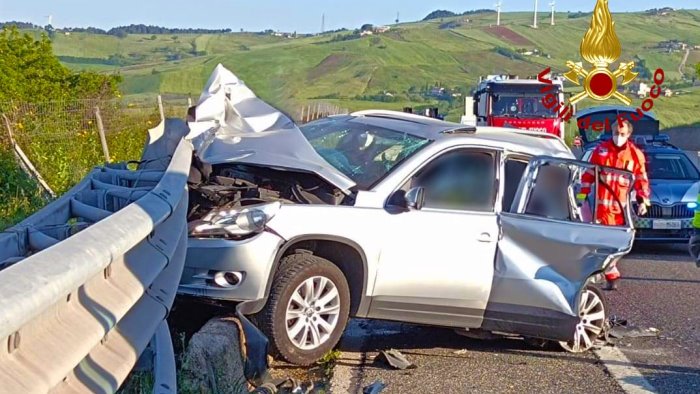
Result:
[
  {"x": 252, "y": 259},
  {"x": 657, "y": 230}
]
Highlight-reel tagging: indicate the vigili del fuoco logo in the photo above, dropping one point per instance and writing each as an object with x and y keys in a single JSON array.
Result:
[{"x": 600, "y": 47}]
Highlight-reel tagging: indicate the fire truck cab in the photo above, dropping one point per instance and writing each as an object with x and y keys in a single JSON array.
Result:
[{"x": 508, "y": 101}]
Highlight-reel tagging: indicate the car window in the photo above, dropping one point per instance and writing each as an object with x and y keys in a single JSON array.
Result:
[
  {"x": 550, "y": 196},
  {"x": 555, "y": 189},
  {"x": 459, "y": 180},
  {"x": 671, "y": 166},
  {"x": 514, "y": 170}
]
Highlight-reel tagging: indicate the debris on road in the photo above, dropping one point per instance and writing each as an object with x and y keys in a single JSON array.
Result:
[
  {"x": 633, "y": 332},
  {"x": 477, "y": 334},
  {"x": 395, "y": 359},
  {"x": 460, "y": 352},
  {"x": 620, "y": 328},
  {"x": 374, "y": 388}
]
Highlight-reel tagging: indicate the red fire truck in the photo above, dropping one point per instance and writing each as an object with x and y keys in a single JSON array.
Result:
[{"x": 508, "y": 101}]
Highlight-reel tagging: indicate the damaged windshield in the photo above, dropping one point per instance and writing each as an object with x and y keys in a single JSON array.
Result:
[{"x": 363, "y": 153}]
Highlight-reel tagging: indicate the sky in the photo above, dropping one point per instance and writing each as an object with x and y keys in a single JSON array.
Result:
[{"x": 303, "y": 16}]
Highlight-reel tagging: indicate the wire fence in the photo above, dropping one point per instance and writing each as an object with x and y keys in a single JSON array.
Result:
[
  {"x": 318, "y": 110},
  {"x": 62, "y": 138}
]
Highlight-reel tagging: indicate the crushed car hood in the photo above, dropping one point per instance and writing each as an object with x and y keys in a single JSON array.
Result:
[{"x": 233, "y": 125}]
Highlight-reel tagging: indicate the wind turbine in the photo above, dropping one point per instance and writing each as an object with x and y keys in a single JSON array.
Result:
[
  {"x": 552, "y": 4},
  {"x": 498, "y": 12},
  {"x": 50, "y": 17},
  {"x": 534, "y": 25}
]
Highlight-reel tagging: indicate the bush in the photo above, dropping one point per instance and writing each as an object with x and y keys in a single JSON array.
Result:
[
  {"x": 19, "y": 194},
  {"x": 508, "y": 53},
  {"x": 438, "y": 14},
  {"x": 30, "y": 70}
]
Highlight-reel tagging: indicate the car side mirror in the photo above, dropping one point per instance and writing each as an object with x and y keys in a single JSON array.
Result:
[{"x": 415, "y": 198}]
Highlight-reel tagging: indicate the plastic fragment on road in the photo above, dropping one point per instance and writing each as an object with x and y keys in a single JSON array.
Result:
[
  {"x": 374, "y": 388},
  {"x": 395, "y": 359},
  {"x": 620, "y": 332}
]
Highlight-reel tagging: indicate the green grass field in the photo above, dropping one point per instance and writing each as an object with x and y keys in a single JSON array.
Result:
[{"x": 290, "y": 73}]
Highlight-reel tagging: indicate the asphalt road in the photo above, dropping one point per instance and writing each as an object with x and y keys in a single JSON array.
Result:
[{"x": 660, "y": 289}]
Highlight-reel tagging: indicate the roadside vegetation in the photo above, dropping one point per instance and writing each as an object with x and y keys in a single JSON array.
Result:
[
  {"x": 51, "y": 112},
  {"x": 19, "y": 194}
]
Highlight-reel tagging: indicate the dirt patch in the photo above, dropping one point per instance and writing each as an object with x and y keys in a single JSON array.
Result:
[
  {"x": 506, "y": 34},
  {"x": 329, "y": 65}
]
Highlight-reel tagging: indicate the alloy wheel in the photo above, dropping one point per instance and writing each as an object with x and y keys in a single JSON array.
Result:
[
  {"x": 590, "y": 326},
  {"x": 312, "y": 312}
]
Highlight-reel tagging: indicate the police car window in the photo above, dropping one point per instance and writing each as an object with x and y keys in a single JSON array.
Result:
[
  {"x": 459, "y": 180},
  {"x": 671, "y": 167}
]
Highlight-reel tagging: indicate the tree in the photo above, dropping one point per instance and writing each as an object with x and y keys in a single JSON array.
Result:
[
  {"x": 697, "y": 69},
  {"x": 367, "y": 27},
  {"x": 29, "y": 71},
  {"x": 439, "y": 14}
]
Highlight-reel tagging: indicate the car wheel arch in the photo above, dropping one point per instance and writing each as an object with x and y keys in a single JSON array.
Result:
[{"x": 331, "y": 248}]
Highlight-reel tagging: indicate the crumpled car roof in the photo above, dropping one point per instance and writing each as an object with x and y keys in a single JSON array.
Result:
[{"x": 233, "y": 125}]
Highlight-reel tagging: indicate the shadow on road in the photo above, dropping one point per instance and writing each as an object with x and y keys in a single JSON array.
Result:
[{"x": 660, "y": 249}]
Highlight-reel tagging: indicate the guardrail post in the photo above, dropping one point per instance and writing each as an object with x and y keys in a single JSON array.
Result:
[
  {"x": 24, "y": 161},
  {"x": 160, "y": 108},
  {"x": 101, "y": 131}
]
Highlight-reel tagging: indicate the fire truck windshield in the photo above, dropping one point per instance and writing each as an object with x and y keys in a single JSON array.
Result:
[{"x": 519, "y": 105}]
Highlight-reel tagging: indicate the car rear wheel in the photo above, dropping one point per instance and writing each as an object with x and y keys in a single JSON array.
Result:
[
  {"x": 307, "y": 310},
  {"x": 592, "y": 314}
]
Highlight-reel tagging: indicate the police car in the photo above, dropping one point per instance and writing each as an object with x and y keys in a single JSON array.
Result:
[{"x": 674, "y": 178}]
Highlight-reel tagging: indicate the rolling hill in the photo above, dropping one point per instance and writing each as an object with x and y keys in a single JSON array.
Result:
[{"x": 345, "y": 69}]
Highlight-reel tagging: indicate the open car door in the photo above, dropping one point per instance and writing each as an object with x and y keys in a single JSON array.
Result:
[{"x": 549, "y": 248}]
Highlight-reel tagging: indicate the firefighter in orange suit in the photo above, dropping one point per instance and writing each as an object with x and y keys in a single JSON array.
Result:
[{"x": 622, "y": 154}]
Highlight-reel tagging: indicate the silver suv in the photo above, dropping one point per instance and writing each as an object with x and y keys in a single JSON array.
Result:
[{"x": 387, "y": 215}]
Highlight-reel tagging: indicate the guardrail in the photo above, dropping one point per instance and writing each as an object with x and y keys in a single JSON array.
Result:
[{"x": 87, "y": 282}]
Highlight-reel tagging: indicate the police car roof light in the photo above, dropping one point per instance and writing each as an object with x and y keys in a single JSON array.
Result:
[{"x": 662, "y": 138}]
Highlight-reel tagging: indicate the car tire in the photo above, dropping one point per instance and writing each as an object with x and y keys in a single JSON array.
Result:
[
  {"x": 304, "y": 287},
  {"x": 593, "y": 313}
]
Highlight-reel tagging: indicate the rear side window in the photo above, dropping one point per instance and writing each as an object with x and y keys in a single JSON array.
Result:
[
  {"x": 514, "y": 171},
  {"x": 460, "y": 180},
  {"x": 550, "y": 197}
]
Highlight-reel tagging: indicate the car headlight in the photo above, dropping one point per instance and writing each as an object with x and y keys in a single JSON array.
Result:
[
  {"x": 235, "y": 222},
  {"x": 693, "y": 206}
]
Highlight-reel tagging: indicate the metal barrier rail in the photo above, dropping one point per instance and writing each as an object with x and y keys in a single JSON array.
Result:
[{"x": 87, "y": 282}]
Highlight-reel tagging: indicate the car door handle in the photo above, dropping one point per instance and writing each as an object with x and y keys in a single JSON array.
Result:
[{"x": 484, "y": 237}]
